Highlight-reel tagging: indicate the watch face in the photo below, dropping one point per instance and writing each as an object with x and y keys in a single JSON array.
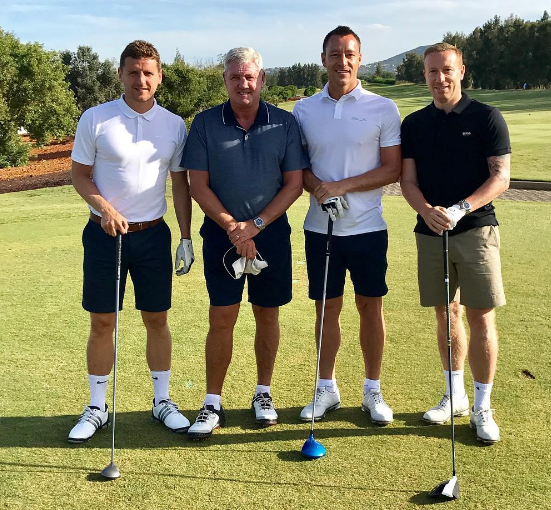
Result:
[
  {"x": 466, "y": 206},
  {"x": 259, "y": 223}
]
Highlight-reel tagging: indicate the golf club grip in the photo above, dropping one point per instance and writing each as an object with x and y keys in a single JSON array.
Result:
[{"x": 329, "y": 236}]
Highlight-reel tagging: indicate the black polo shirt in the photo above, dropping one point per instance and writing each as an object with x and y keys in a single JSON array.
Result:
[{"x": 450, "y": 153}]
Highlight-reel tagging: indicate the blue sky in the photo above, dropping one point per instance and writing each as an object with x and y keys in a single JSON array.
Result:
[{"x": 284, "y": 32}]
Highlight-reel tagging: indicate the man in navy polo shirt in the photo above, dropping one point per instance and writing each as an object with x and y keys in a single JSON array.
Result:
[
  {"x": 245, "y": 162},
  {"x": 456, "y": 160}
]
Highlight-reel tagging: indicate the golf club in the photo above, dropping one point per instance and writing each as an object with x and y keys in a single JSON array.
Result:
[
  {"x": 111, "y": 472},
  {"x": 450, "y": 488},
  {"x": 313, "y": 449}
]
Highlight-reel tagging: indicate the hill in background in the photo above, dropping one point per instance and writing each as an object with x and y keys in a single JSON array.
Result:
[{"x": 390, "y": 64}]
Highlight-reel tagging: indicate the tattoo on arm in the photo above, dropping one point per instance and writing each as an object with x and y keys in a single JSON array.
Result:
[{"x": 500, "y": 167}]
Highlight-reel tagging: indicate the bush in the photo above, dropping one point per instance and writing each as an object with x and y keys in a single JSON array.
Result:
[
  {"x": 13, "y": 151},
  {"x": 310, "y": 91},
  {"x": 33, "y": 96}
]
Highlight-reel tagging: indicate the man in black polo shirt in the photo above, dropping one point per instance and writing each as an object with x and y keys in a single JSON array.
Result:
[
  {"x": 456, "y": 160},
  {"x": 245, "y": 162}
]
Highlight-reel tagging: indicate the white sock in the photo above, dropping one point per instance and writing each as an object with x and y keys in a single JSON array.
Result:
[
  {"x": 329, "y": 384},
  {"x": 98, "y": 389},
  {"x": 260, "y": 388},
  {"x": 457, "y": 381},
  {"x": 213, "y": 400},
  {"x": 482, "y": 394},
  {"x": 160, "y": 381},
  {"x": 371, "y": 384}
]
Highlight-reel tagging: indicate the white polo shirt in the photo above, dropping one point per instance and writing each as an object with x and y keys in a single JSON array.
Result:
[
  {"x": 131, "y": 154},
  {"x": 344, "y": 139}
]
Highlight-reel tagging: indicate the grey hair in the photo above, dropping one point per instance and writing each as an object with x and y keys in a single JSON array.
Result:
[{"x": 242, "y": 56}]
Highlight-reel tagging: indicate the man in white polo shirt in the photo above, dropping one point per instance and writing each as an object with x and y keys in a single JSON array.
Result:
[
  {"x": 353, "y": 140},
  {"x": 122, "y": 153}
]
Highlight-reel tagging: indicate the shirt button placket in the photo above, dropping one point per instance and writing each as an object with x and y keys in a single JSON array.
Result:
[{"x": 139, "y": 139}]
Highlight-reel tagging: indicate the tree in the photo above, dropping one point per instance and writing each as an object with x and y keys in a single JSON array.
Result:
[
  {"x": 411, "y": 68},
  {"x": 92, "y": 81},
  {"x": 33, "y": 96}
]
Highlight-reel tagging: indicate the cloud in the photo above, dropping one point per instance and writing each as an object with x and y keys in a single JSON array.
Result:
[
  {"x": 378, "y": 26},
  {"x": 102, "y": 22}
]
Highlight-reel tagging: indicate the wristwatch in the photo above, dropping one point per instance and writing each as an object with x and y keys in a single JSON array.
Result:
[
  {"x": 464, "y": 206},
  {"x": 259, "y": 223}
]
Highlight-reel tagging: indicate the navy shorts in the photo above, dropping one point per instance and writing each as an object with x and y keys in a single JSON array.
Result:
[
  {"x": 146, "y": 255},
  {"x": 272, "y": 287},
  {"x": 364, "y": 255}
]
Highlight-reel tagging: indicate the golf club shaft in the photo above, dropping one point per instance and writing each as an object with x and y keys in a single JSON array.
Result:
[
  {"x": 322, "y": 316},
  {"x": 117, "y": 291},
  {"x": 449, "y": 338}
]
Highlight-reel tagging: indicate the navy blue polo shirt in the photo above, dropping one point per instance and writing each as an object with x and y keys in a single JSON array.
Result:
[
  {"x": 450, "y": 153},
  {"x": 245, "y": 167}
]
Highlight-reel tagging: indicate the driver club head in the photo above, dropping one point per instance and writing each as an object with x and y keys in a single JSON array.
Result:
[
  {"x": 312, "y": 449},
  {"x": 447, "y": 490},
  {"x": 111, "y": 472}
]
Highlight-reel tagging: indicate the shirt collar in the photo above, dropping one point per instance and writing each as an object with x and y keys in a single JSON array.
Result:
[
  {"x": 355, "y": 93},
  {"x": 132, "y": 114},
  {"x": 228, "y": 117},
  {"x": 459, "y": 107}
]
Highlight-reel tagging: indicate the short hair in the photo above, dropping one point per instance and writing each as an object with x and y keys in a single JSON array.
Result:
[
  {"x": 341, "y": 31},
  {"x": 243, "y": 56},
  {"x": 443, "y": 46},
  {"x": 140, "y": 49}
]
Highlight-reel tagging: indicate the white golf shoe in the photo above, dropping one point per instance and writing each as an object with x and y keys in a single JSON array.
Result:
[
  {"x": 208, "y": 420},
  {"x": 90, "y": 420},
  {"x": 374, "y": 404},
  {"x": 264, "y": 410},
  {"x": 167, "y": 412},
  {"x": 326, "y": 401},
  {"x": 487, "y": 430},
  {"x": 441, "y": 413}
]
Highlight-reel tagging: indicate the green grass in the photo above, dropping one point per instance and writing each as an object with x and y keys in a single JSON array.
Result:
[
  {"x": 527, "y": 112},
  {"x": 43, "y": 385}
]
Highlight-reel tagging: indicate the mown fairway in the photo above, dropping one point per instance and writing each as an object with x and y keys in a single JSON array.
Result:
[
  {"x": 527, "y": 112},
  {"x": 43, "y": 386}
]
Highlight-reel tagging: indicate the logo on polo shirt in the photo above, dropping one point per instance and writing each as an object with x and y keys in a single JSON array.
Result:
[
  {"x": 360, "y": 119},
  {"x": 466, "y": 133}
]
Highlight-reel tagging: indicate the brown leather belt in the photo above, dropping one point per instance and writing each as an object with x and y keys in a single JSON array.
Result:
[{"x": 132, "y": 227}]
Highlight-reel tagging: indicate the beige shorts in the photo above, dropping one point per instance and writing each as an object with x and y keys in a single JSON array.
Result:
[{"x": 475, "y": 267}]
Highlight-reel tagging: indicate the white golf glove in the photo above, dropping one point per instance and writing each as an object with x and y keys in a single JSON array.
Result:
[
  {"x": 335, "y": 207},
  {"x": 456, "y": 213},
  {"x": 184, "y": 254},
  {"x": 243, "y": 265}
]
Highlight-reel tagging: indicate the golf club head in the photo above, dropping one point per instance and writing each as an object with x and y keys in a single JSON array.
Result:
[
  {"x": 312, "y": 449},
  {"x": 446, "y": 490},
  {"x": 111, "y": 472}
]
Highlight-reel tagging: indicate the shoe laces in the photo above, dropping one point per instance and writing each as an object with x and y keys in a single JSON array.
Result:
[
  {"x": 204, "y": 415},
  {"x": 485, "y": 415},
  {"x": 264, "y": 400},
  {"x": 87, "y": 414},
  {"x": 320, "y": 392},
  {"x": 377, "y": 398},
  {"x": 443, "y": 402},
  {"x": 172, "y": 405}
]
